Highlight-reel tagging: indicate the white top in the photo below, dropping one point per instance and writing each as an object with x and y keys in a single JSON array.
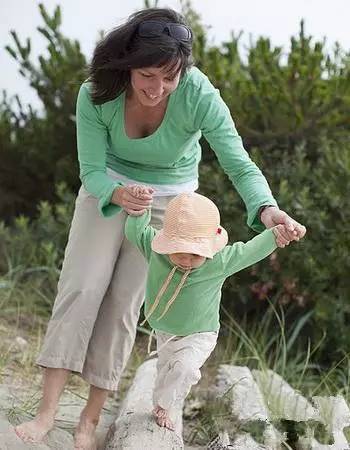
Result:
[{"x": 160, "y": 190}]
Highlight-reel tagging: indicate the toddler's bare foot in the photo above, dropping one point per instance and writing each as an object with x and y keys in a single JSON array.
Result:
[
  {"x": 162, "y": 418},
  {"x": 35, "y": 430},
  {"x": 85, "y": 436}
]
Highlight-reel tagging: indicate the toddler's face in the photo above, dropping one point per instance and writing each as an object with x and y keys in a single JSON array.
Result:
[{"x": 187, "y": 260}]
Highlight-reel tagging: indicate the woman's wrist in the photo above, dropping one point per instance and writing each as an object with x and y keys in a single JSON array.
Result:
[{"x": 263, "y": 208}]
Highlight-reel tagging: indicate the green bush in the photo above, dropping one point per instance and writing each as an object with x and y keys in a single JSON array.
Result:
[
  {"x": 279, "y": 100},
  {"x": 31, "y": 254},
  {"x": 315, "y": 273},
  {"x": 292, "y": 107},
  {"x": 39, "y": 147},
  {"x": 311, "y": 274}
]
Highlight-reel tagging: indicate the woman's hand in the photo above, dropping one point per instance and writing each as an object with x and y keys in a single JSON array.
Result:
[
  {"x": 134, "y": 199},
  {"x": 293, "y": 231},
  {"x": 282, "y": 236}
]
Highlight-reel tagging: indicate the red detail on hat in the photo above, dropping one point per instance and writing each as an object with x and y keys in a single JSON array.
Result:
[{"x": 218, "y": 231}]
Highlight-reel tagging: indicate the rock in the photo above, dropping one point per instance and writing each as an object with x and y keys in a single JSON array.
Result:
[
  {"x": 57, "y": 439},
  {"x": 135, "y": 427},
  {"x": 335, "y": 415},
  {"x": 242, "y": 392},
  {"x": 14, "y": 400},
  {"x": 21, "y": 343},
  {"x": 334, "y": 411},
  {"x": 247, "y": 403},
  {"x": 282, "y": 400}
]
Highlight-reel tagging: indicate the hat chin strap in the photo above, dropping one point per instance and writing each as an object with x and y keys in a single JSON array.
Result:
[
  {"x": 176, "y": 293},
  {"x": 161, "y": 292}
]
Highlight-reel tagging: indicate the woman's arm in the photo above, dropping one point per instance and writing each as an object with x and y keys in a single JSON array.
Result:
[
  {"x": 214, "y": 119},
  {"x": 92, "y": 148}
]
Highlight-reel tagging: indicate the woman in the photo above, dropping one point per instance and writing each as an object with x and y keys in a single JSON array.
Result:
[{"x": 139, "y": 120}]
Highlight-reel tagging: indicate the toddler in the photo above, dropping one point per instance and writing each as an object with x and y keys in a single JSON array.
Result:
[{"x": 189, "y": 260}]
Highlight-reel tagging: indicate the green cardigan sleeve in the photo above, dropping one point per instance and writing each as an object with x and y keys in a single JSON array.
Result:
[
  {"x": 214, "y": 119},
  {"x": 92, "y": 147}
]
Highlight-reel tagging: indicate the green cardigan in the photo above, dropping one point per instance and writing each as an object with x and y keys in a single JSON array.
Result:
[{"x": 172, "y": 153}]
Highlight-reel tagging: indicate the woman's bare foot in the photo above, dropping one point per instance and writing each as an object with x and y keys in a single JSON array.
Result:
[
  {"x": 85, "y": 435},
  {"x": 162, "y": 418},
  {"x": 35, "y": 430}
]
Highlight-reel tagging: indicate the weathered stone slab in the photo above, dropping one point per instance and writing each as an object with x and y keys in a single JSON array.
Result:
[
  {"x": 246, "y": 400},
  {"x": 334, "y": 411},
  {"x": 282, "y": 400},
  {"x": 135, "y": 427},
  {"x": 56, "y": 440},
  {"x": 335, "y": 415},
  {"x": 15, "y": 400}
]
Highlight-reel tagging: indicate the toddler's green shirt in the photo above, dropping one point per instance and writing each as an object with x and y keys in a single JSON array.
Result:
[{"x": 196, "y": 308}]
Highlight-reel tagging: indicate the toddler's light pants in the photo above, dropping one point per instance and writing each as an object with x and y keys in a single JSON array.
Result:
[{"x": 178, "y": 366}]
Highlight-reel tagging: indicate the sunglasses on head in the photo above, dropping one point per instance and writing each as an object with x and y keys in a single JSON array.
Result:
[{"x": 153, "y": 28}]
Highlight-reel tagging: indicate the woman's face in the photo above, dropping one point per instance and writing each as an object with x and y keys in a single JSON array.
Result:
[{"x": 151, "y": 85}]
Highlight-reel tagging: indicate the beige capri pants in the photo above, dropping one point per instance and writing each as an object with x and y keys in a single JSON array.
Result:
[
  {"x": 100, "y": 292},
  {"x": 180, "y": 359}
]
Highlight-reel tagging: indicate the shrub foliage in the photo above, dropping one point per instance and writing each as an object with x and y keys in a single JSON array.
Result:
[{"x": 292, "y": 110}]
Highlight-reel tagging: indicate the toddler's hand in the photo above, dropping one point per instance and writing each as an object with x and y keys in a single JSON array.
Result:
[
  {"x": 283, "y": 237},
  {"x": 134, "y": 199},
  {"x": 138, "y": 190},
  {"x": 272, "y": 216}
]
